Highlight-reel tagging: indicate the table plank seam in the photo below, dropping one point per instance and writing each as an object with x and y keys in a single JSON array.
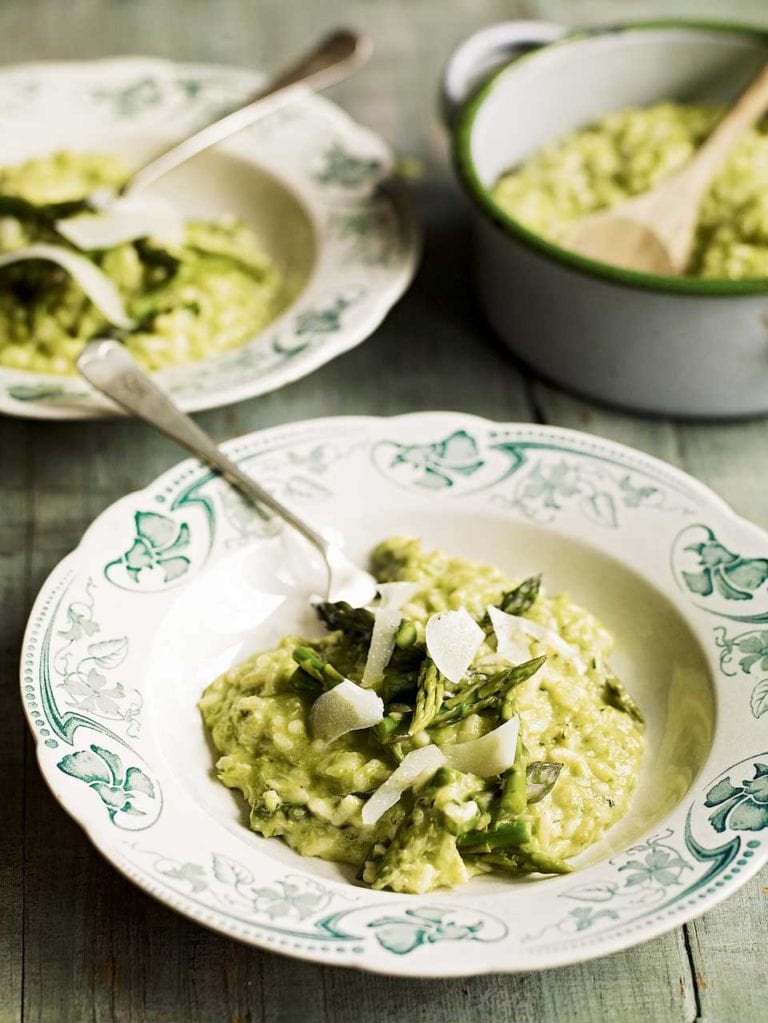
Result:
[
  {"x": 692, "y": 967},
  {"x": 29, "y": 535}
]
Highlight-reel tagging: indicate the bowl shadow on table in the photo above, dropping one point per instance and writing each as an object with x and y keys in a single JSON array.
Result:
[{"x": 450, "y": 331}]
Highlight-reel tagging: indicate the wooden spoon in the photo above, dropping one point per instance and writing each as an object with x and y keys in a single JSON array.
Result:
[{"x": 653, "y": 232}]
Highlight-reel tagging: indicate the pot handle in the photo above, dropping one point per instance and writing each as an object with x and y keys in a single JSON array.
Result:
[{"x": 485, "y": 51}]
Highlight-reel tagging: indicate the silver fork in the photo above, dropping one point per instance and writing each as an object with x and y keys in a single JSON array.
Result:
[
  {"x": 333, "y": 59},
  {"x": 109, "y": 367}
]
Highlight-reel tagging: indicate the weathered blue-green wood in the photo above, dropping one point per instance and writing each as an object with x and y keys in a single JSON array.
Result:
[
  {"x": 15, "y": 512},
  {"x": 77, "y": 941}
]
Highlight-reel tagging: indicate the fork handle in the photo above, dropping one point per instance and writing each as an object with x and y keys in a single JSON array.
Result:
[
  {"x": 333, "y": 59},
  {"x": 748, "y": 109},
  {"x": 109, "y": 367}
]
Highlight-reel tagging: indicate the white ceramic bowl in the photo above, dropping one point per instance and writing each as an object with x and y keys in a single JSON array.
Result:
[
  {"x": 316, "y": 187},
  {"x": 177, "y": 582},
  {"x": 665, "y": 345}
]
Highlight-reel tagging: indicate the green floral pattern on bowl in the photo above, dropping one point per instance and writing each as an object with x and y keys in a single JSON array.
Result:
[
  {"x": 162, "y": 588},
  {"x": 730, "y": 575},
  {"x": 127, "y": 793}
]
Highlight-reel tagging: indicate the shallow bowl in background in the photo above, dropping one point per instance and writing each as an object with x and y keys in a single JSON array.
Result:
[{"x": 317, "y": 188}]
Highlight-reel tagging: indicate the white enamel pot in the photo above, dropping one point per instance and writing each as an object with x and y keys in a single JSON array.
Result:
[{"x": 678, "y": 346}]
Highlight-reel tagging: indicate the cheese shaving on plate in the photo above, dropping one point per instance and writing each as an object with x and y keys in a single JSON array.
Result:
[
  {"x": 489, "y": 755},
  {"x": 416, "y": 767},
  {"x": 396, "y": 594},
  {"x": 386, "y": 621},
  {"x": 124, "y": 220},
  {"x": 94, "y": 282},
  {"x": 345, "y": 708},
  {"x": 453, "y": 639},
  {"x": 509, "y": 627}
]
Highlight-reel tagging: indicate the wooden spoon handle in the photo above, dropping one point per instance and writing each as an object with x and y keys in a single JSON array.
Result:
[{"x": 746, "y": 111}]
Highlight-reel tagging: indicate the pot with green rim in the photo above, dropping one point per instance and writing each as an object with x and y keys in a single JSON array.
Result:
[{"x": 672, "y": 345}]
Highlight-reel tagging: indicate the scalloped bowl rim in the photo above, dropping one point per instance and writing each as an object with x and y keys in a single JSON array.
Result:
[{"x": 260, "y": 442}]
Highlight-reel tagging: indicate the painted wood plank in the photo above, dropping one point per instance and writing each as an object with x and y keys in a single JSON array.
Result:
[
  {"x": 14, "y": 598},
  {"x": 728, "y": 946},
  {"x": 733, "y": 459},
  {"x": 49, "y": 859},
  {"x": 648, "y": 982}
]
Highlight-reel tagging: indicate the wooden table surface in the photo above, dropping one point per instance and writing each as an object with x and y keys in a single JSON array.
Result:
[{"x": 77, "y": 941}]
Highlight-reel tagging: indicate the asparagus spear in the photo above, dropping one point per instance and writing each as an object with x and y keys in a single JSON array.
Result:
[
  {"x": 357, "y": 625},
  {"x": 485, "y": 693},
  {"x": 406, "y": 635},
  {"x": 428, "y": 833},
  {"x": 304, "y": 684},
  {"x": 615, "y": 695},
  {"x": 388, "y": 726},
  {"x": 507, "y": 829},
  {"x": 407, "y": 661},
  {"x": 505, "y": 845},
  {"x": 429, "y": 697},
  {"x": 401, "y": 675},
  {"x": 393, "y": 727},
  {"x": 156, "y": 257},
  {"x": 541, "y": 776},
  {"x": 477, "y": 696},
  {"x": 314, "y": 665},
  {"x": 507, "y": 707},
  {"x": 396, "y": 686},
  {"x": 523, "y": 861},
  {"x": 42, "y": 214},
  {"x": 513, "y": 833},
  {"x": 355, "y": 622},
  {"x": 517, "y": 601},
  {"x": 513, "y": 800}
]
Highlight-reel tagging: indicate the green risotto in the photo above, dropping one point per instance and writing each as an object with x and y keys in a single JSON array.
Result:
[
  {"x": 573, "y": 764},
  {"x": 630, "y": 151},
  {"x": 193, "y": 299}
]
